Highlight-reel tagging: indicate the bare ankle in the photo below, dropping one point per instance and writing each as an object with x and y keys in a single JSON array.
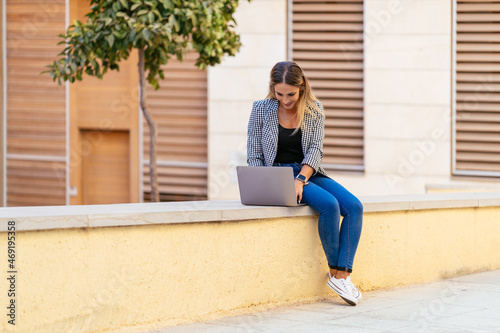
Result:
[{"x": 342, "y": 274}]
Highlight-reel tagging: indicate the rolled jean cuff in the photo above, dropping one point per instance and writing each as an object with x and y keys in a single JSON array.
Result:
[{"x": 349, "y": 270}]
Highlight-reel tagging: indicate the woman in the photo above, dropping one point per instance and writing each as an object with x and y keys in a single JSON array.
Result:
[{"x": 287, "y": 129}]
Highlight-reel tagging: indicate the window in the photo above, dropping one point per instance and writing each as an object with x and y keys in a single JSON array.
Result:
[
  {"x": 326, "y": 40},
  {"x": 36, "y": 109},
  {"x": 477, "y": 88}
]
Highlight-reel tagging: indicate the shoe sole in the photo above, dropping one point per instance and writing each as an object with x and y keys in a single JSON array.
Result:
[{"x": 338, "y": 292}]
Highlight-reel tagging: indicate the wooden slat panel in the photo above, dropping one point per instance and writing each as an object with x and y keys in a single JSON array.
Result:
[
  {"x": 474, "y": 166},
  {"x": 179, "y": 184},
  {"x": 341, "y": 159},
  {"x": 340, "y": 122},
  {"x": 478, "y": 128},
  {"x": 342, "y": 43},
  {"x": 345, "y": 76},
  {"x": 474, "y": 17},
  {"x": 478, "y": 86},
  {"x": 470, "y": 117},
  {"x": 341, "y": 104},
  {"x": 336, "y": 84},
  {"x": 484, "y": 87},
  {"x": 322, "y": 7},
  {"x": 326, "y": 36},
  {"x": 472, "y": 105},
  {"x": 331, "y": 65},
  {"x": 480, "y": 67},
  {"x": 478, "y": 27},
  {"x": 340, "y": 113},
  {"x": 342, "y": 151},
  {"x": 483, "y": 6},
  {"x": 321, "y": 55},
  {"x": 478, "y": 48},
  {"x": 343, "y": 141},
  {"x": 485, "y": 147},
  {"x": 327, "y": 44},
  {"x": 327, "y": 27},
  {"x": 36, "y": 117},
  {"x": 345, "y": 133},
  {"x": 179, "y": 108},
  {"x": 478, "y": 77},
  {"x": 480, "y": 96},
  {"x": 35, "y": 183},
  {"x": 481, "y": 157},
  {"x": 483, "y": 138},
  {"x": 315, "y": 46},
  {"x": 478, "y": 57},
  {"x": 327, "y": 17},
  {"x": 472, "y": 37}
]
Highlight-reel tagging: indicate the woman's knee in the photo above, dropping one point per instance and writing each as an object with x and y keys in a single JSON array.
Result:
[
  {"x": 332, "y": 205},
  {"x": 354, "y": 206},
  {"x": 328, "y": 205}
]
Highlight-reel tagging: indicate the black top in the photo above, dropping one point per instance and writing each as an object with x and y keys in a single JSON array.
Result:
[{"x": 289, "y": 146}]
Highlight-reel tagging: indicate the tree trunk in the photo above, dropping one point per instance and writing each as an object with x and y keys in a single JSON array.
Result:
[{"x": 153, "y": 174}]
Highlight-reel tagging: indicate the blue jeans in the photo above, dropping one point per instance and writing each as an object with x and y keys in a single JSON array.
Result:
[{"x": 331, "y": 200}]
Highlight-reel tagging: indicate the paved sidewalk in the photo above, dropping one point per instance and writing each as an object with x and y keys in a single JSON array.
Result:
[{"x": 469, "y": 303}]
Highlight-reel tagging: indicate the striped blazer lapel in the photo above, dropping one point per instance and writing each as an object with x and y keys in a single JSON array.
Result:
[
  {"x": 306, "y": 133},
  {"x": 272, "y": 131}
]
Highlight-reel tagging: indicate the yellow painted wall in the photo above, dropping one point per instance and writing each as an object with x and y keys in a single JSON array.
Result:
[{"x": 135, "y": 278}]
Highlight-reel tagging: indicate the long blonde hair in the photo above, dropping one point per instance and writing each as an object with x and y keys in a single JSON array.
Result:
[{"x": 290, "y": 73}]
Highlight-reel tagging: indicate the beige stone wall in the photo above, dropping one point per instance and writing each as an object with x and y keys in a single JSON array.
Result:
[
  {"x": 407, "y": 97},
  {"x": 407, "y": 94},
  {"x": 408, "y": 101}
]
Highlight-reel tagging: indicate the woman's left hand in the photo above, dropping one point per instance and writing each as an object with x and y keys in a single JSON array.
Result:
[{"x": 299, "y": 187}]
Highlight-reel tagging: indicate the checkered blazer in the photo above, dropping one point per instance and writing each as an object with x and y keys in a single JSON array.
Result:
[{"x": 262, "y": 142}]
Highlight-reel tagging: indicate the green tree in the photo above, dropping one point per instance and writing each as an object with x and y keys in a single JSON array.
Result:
[{"x": 158, "y": 29}]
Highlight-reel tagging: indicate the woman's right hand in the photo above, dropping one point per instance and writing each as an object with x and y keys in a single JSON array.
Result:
[{"x": 299, "y": 187}]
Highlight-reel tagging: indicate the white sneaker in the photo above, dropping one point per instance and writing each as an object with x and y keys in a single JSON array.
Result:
[
  {"x": 343, "y": 289},
  {"x": 355, "y": 291}
]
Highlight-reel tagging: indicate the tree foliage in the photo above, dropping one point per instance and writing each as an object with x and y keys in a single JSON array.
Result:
[{"x": 162, "y": 28}]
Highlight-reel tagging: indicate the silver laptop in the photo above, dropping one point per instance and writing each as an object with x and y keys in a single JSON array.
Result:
[{"x": 267, "y": 186}]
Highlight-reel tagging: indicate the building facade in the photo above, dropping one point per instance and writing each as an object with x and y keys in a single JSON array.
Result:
[
  {"x": 411, "y": 90},
  {"x": 428, "y": 100}
]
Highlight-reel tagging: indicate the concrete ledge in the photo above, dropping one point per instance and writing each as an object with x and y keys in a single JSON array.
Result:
[{"x": 64, "y": 217}]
